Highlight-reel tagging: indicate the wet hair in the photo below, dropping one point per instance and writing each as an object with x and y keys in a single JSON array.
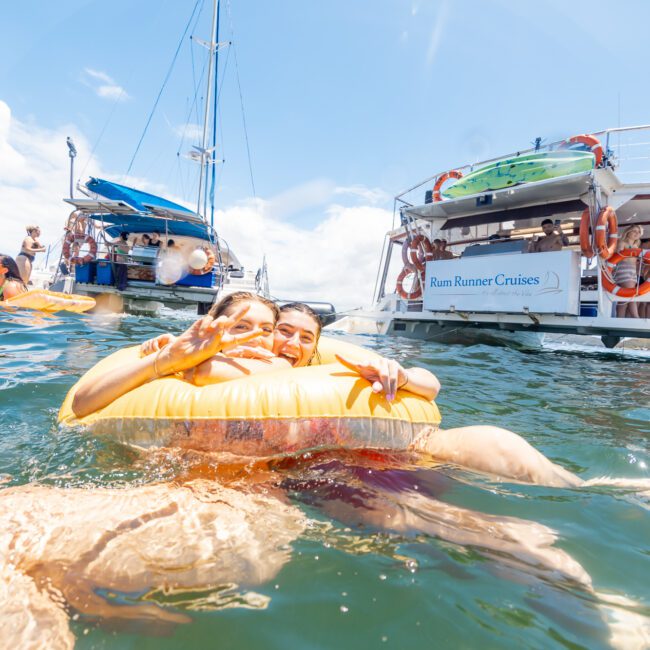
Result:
[
  {"x": 306, "y": 309},
  {"x": 12, "y": 270},
  {"x": 219, "y": 308},
  {"x": 547, "y": 221}
]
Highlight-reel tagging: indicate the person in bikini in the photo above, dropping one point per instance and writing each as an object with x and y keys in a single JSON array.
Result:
[{"x": 28, "y": 250}]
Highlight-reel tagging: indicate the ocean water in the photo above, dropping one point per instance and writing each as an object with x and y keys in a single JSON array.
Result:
[{"x": 380, "y": 550}]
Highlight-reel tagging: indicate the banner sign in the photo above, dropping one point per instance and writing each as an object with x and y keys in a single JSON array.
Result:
[{"x": 544, "y": 283}]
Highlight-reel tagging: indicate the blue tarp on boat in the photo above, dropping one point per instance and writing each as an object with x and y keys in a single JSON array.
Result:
[
  {"x": 136, "y": 223},
  {"x": 141, "y": 201}
]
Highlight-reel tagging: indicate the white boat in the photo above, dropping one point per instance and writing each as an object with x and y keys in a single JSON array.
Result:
[
  {"x": 490, "y": 213},
  {"x": 133, "y": 275}
]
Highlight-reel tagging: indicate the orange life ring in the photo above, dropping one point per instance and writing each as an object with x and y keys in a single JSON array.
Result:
[
  {"x": 606, "y": 232},
  {"x": 626, "y": 292},
  {"x": 590, "y": 142},
  {"x": 585, "y": 234},
  {"x": 416, "y": 289},
  {"x": 441, "y": 180},
  {"x": 92, "y": 249},
  {"x": 417, "y": 252},
  {"x": 208, "y": 265}
]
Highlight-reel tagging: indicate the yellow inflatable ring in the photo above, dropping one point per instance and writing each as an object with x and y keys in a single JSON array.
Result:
[
  {"x": 318, "y": 406},
  {"x": 50, "y": 301}
]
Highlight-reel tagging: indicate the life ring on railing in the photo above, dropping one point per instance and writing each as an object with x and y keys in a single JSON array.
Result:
[
  {"x": 416, "y": 287},
  {"x": 208, "y": 265},
  {"x": 606, "y": 233},
  {"x": 625, "y": 292},
  {"x": 417, "y": 252},
  {"x": 586, "y": 247},
  {"x": 441, "y": 180},
  {"x": 88, "y": 257},
  {"x": 591, "y": 142}
]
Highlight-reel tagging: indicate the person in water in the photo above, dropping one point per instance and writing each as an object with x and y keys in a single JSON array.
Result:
[
  {"x": 11, "y": 282},
  {"x": 28, "y": 250},
  {"x": 246, "y": 334}
]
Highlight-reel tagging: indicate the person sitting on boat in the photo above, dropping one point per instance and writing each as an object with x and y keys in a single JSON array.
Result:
[
  {"x": 435, "y": 253},
  {"x": 553, "y": 240},
  {"x": 444, "y": 253},
  {"x": 246, "y": 334},
  {"x": 626, "y": 272},
  {"x": 11, "y": 283},
  {"x": 155, "y": 240},
  {"x": 28, "y": 250}
]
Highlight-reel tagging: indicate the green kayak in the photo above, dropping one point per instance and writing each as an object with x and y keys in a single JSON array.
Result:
[{"x": 523, "y": 169}]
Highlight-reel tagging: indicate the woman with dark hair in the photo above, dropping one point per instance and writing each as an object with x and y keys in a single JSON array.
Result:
[{"x": 11, "y": 284}]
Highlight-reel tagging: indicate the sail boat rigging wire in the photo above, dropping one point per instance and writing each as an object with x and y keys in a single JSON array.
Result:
[
  {"x": 241, "y": 100},
  {"x": 162, "y": 88}
]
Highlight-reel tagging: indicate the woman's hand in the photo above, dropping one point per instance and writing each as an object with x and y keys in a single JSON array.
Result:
[
  {"x": 156, "y": 344},
  {"x": 205, "y": 338},
  {"x": 248, "y": 352},
  {"x": 385, "y": 375}
]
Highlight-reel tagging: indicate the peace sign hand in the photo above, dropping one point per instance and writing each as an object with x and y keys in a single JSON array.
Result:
[
  {"x": 385, "y": 375},
  {"x": 205, "y": 338}
]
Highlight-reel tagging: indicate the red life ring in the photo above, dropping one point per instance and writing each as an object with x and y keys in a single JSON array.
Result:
[
  {"x": 417, "y": 252},
  {"x": 591, "y": 142},
  {"x": 416, "y": 288},
  {"x": 626, "y": 292},
  {"x": 208, "y": 265},
  {"x": 606, "y": 233},
  {"x": 92, "y": 249},
  {"x": 441, "y": 180},
  {"x": 585, "y": 234}
]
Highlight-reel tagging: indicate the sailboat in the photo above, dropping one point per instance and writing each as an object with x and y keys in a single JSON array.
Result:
[{"x": 135, "y": 251}]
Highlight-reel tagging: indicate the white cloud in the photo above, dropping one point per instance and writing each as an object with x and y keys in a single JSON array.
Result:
[
  {"x": 335, "y": 260},
  {"x": 189, "y": 131},
  {"x": 106, "y": 88},
  {"x": 436, "y": 34}
]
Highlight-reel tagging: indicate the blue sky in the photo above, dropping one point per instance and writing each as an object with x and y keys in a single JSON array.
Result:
[{"x": 372, "y": 96}]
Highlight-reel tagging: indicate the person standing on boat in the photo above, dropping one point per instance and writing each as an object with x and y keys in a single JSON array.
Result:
[
  {"x": 443, "y": 253},
  {"x": 553, "y": 240},
  {"x": 121, "y": 251},
  {"x": 28, "y": 251},
  {"x": 626, "y": 272}
]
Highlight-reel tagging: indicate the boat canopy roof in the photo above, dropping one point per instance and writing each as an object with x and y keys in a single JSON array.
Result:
[
  {"x": 130, "y": 210},
  {"x": 141, "y": 201}
]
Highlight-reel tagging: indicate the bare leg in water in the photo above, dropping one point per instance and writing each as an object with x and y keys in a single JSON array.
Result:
[{"x": 502, "y": 453}]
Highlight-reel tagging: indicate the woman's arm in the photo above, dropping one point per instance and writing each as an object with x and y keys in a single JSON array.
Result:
[
  {"x": 205, "y": 338},
  {"x": 388, "y": 376},
  {"x": 221, "y": 368}
]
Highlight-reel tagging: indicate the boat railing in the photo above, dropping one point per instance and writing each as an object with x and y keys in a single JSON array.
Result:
[{"x": 626, "y": 151}]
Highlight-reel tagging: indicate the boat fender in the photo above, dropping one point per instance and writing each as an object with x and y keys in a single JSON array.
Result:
[{"x": 208, "y": 265}]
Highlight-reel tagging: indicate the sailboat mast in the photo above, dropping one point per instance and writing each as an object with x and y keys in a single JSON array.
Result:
[
  {"x": 206, "y": 116},
  {"x": 214, "y": 124}
]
